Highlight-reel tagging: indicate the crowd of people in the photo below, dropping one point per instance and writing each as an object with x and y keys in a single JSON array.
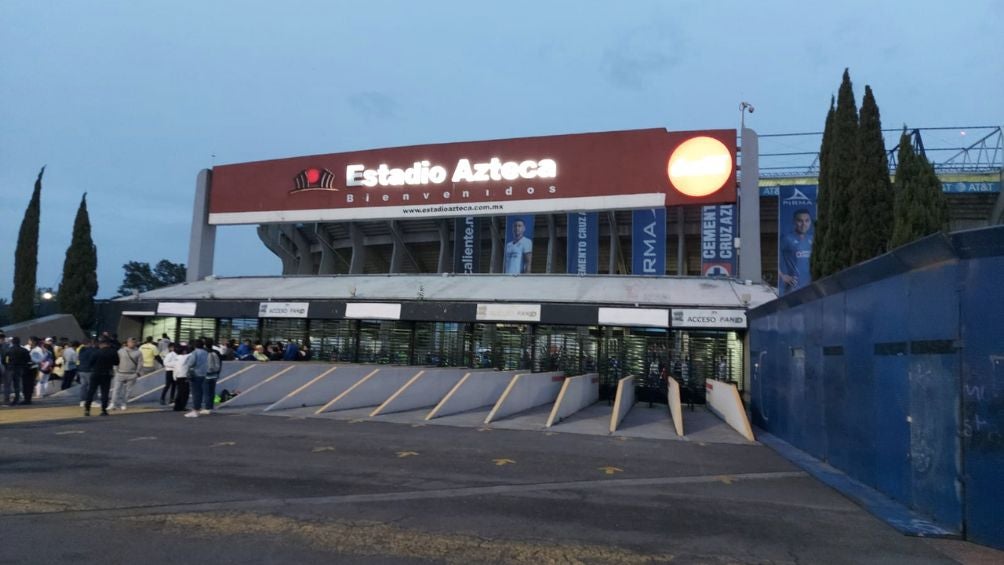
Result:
[{"x": 108, "y": 369}]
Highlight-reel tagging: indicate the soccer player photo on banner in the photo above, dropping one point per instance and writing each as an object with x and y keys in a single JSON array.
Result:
[
  {"x": 796, "y": 227},
  {"x": 518, "y": 244}
]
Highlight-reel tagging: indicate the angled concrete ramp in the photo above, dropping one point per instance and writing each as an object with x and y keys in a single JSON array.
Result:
[
  {"x": 423, "y": 390},
  {"x": 284, "y": 378},
  {"x": 148, "y": 387},
  {"x": 622, "y": 402},
  {"x": 576, "y": 394},
  {"x": 246, "y": 376},
  {"x": 723, "y": 399},
  {"x": 526, "y": 391},
  {"x": 322, "y": 388},
  {"x": 675, "y": 407},
  {"x": 373, "y": 389},
  {"x": 475, "y": 390}
]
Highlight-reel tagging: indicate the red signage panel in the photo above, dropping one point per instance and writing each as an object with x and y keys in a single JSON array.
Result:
[{"x": 562, "y": 173}]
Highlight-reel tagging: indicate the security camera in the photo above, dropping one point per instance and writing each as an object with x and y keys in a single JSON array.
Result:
[{"x": 746, "y": 106}]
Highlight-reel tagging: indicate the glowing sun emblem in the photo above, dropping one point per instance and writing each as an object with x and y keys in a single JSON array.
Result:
[{"x": 700, "y": 166}]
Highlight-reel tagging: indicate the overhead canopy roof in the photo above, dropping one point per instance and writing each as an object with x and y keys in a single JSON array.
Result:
[{"x": 616, "y": 290}]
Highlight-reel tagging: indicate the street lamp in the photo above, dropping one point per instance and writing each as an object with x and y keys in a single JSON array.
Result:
[{"x": 47, "y": 295}]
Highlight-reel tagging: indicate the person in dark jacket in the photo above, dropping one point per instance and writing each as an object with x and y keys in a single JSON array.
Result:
[
  {"x": 104, "y": 361},
  {"x": 18, "y": 361},
  {"x": 85, "y": 368}
]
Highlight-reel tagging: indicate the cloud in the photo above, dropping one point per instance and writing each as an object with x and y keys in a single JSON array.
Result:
[
  {"x": 641, "y": 54},
  {"x": 374, "y": 104}
]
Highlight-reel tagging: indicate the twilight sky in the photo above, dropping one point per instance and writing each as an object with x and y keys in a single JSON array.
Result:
[{"x": 128, "y": 100}]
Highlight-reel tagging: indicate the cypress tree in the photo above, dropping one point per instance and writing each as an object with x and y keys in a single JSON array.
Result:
[
  {"x": 80, "y": 271},
  {"x": 920, "y": 203},
  {"x": 26, "y": 258},
  {"x": 817, "y": 265},
  {"x": 842, "y": 158},
  {"x": 871, "y": 198}
]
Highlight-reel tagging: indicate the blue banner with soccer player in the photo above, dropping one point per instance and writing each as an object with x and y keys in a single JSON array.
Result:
[
  {"x": 648, "y": 241},
  {"x": 583, "y": 243},
  {"x": 518, "y": 255},
  {"x": 718, "y": 235},
  {"x": 796, "y": 228}
]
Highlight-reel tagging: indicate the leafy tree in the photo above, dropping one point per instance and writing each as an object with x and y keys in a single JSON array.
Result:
[
  {"x": 816, "y": 263},
  {"x": 4, "y": 312},
  {"x": 140, "y": 277},
  {"x": 842, "y": 158},
  {"x": 871, "y": 195},
  {"x": 920, "y": 205},
  {"x": 26, "y": 258},
  {"x": 80, "y": 271},
  {"x": 169, "y": 273}
]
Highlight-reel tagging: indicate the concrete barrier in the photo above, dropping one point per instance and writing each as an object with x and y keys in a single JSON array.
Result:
[
  {"x": 675, "y": 406},
  {"x": 272, "y": 387},
  {"x": 423, "y": 390},
  {"x": 322, "y": 388},
  {"x": 148, "y": 387},
  {"x": 622, "y": 402},
  {"x": 372, "y": 389},
  {"x": 526, "y": 391},
  {"x": 724, "y": 402},
  {"x": 474, "y": 390},
  {"x": 576, "y": 394}
]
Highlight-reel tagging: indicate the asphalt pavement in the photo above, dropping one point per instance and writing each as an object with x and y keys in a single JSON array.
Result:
[{"x": 151, "y": 486}]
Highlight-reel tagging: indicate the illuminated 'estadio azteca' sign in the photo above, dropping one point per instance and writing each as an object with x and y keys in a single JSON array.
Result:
[
  {"x": 422, "y": 172},
  {"x": 616, "y": 170}
]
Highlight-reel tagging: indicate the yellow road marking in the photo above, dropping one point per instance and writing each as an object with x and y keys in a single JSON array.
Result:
[
  {"x": 223, "y": 444},
  {"x": 484, "y": 429},
  {"x": 610, "y": 470},
  {"x": 320, "y": 449},
  {"x": 403, "y": 454},
  {"x": 68, "y": 432},
  {"x": 143, "y": 438},
  {"x": 357, "y": 421},
  {"x": 727, "y": 479},
  {"x": 501, "y": 462}
]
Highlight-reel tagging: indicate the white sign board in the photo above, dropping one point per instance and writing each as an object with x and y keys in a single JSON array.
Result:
[
  {"x": 283, "y": 309},
  {"x": 175, "y": 308},
  {"x": 373, "y": 311},
  {"x": 509, "y": 312},
  {"x": 642, "y": 317},
  {"x": 699, "y": 318}
]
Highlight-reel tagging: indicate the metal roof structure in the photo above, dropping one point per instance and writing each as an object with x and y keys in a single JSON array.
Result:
[{"x": 612, "y": 290}]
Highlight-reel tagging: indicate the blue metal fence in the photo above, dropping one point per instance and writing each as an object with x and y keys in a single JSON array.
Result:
[{"x": 893, "y": 371}]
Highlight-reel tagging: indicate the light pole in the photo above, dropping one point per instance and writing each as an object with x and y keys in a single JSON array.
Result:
[{"x": 743, "y": 108}]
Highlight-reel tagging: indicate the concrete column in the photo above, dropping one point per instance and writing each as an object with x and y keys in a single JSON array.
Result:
[
  {"x": 615, "y": 243},
  {"x": 496, "y": 259},
  {"x": 552, "y": 243},
  {"x": 681, "y": 243},
  {"x": 202, "y": 240},
  {"x": 358, "y": 250},
  {"x": 271, "y": 235},
  {"x": 750, "y": 261},
  {"x": 445, "y": 264}
]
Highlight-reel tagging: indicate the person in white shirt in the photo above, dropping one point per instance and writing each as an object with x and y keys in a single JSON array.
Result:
[
  {"x": 519, "y": 250},
  {"x": 170, "y": 359}
]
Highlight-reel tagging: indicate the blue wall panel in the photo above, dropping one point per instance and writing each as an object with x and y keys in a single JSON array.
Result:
[
  {"x": 897, "y": 377},
  {"x": 892, "y": 429},
  {"x": 934, "y": 445},
  {"x": 983, "y": 399}
]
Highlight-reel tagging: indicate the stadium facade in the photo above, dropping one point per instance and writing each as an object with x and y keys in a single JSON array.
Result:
[{"x": 617, "y": 253}]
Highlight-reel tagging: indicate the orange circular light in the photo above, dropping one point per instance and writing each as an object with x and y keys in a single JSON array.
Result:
[{"x": 700, "y": 166}]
